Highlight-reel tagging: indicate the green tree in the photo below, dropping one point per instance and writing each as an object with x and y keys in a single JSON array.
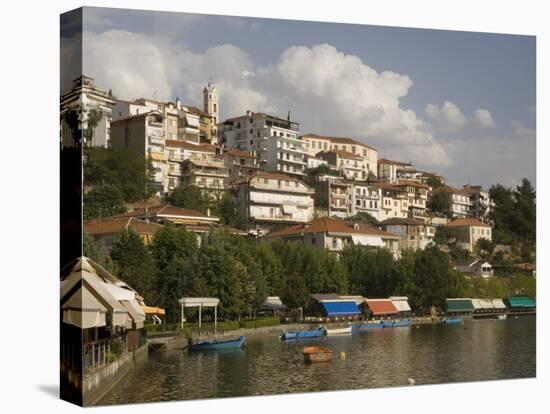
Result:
[
  {"x": 175, "y": 251},
  {"x": 94, "y": 118},
  {"x": 133, "y": 263},
  {"x": 190, "y": 197},
  {"x": 364, "y": 217},
  {"x": 440, "y": 202},
  {"x": 271, "y": 266},
  {"x": 131, "y": 173},
  {"x": 484, "y": 248},
  {"x": 103, "y": 201},
  {"x": 229, "y": 211},
  {"x": 433, "y": 276}
]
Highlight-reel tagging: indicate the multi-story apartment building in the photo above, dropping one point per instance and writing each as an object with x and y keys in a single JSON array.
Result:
[
  {"x": 395, "y": 202},
  {"x": 208, "y": 130},
  {"x": 209, "y": 175},
  {"x": 314, "y": 144},
  {"x": 417, "y": 196},
  {"x": 240, "y": 164},
  {"x": 268, "y": 199},
  {"x": 350, "y": 165},
  {"x": 145, "y": 134},
  {"x": 481, "y": 203},
  {"x": 393, "y": 171},
  {"x": 460, "y": 204},
  {"x": 178, "y": 152},
  {"x": 331, "y": 195},
  {"x": 274, "y": 141},
  {"x": 85, "y": 114},
  {"x": 365, "y": 198},
  {"x": 334, "y": 235},
  {"x": 415, "y": 234},
  {"x": 468, "y": 231}
]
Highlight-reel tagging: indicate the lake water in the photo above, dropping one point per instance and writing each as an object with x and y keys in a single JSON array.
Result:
[{"x": 474, "y": 351}]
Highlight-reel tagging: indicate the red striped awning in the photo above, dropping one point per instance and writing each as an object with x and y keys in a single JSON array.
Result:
[{"x": 381, "y": 306}]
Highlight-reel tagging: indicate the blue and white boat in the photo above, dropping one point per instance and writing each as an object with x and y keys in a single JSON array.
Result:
[
  {"x": 396, "y": 324},
  {"x": 312, "y": 333},
  {"x": 453, "y": 320},
  {"x": 215, "y": 344},
  {"x": 366, "y": 326}
]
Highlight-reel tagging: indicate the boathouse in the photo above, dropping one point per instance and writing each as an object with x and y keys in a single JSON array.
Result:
[
  {"x": 333, "y": 307},
  {"x": 459, "y": 306},
  {"x": 488, "y": 306},
  {"x": 102, "y": 335},
  {"x": 401, "y": 303},
  {"x": 521, "y": 304},
  {"x": 381, "y": 308}
]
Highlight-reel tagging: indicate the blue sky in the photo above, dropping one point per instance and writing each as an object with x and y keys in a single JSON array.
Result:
[{"x": 459, "y": 103}]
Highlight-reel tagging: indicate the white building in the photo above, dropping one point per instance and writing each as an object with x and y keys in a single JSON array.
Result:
[
  {"x": 211, "y": 104},
  {"x": 415, "y": 234},
  {"x": 271, "y": 198},
  {"x": 274, "y": 141},
  {"x": 314, "y": 144},
  {"x": 468, "y": 231},
  {"x": 395, "y": 202},
  {"x": 84, "y": 105},
  {"x": 144, "y": 134},
  {"x": 240, "y": 164},
  {"x": 365, "y": 198},
  {"x": 481, "y": 203},
  {"x": 460, "y": 205}
]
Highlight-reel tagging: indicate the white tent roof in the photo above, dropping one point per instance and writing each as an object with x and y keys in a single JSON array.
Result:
[
  {"x": 401, "y": 303},
  {"x": 499, "y": 304}
]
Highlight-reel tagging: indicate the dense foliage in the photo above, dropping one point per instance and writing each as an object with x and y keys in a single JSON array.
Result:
[{"x": 242, "y": 273}]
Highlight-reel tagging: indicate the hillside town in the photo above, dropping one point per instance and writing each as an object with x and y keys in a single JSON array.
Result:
[
  {"x": 252, "y": 221},
  {"x": 277, "y": 176}
]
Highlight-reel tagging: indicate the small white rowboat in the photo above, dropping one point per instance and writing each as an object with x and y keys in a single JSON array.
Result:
[{"x": 338, "y": 331}]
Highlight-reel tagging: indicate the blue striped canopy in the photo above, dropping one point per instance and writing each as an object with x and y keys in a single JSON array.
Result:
[{"x": 341, "y": 308}]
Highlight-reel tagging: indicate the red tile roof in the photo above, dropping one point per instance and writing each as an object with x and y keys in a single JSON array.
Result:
[
  {"x": 134, "y": 116},
  {"x": 331, "y": 225},
  {"x": 410, "y": 183},
  {"x": 197, "y": 111},
  {"x": 339, "y": 140},
  {"x": 381, "y": 306},
  {"x": 167, "y": 210},
  {"x": 468, "y": 222},
  {"x": 238, "y": 153},
  {"x": 452, "y": 190},
  {"x": 340, "y": 153},
  {"x": 391, "y": 162},
  {"x": 114, "y": 225}
]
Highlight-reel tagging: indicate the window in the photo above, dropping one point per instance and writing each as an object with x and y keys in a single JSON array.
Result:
[
  {"x": 358, "y": 203},
  {"x": 334, "y": 243}
]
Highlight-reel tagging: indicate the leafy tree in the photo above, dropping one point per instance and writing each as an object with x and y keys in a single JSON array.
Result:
[
  {"x": 440, "y": 202},
  {"x": 364, "y": 217},
  {"x": 484, "y": 248},
  {"x": 323, "y": 169},
  {"x": 229, "y": 211},
  {"x": 434, "y": 182},
  {"x": 132, "y": 174},
  {"x": 272, "y": 268},
  {"x": 133, "y": 263},
  {"x": 444, "y": 236},
  {"x": 103, "y": 201},
  {"x": 190, "y": 197},
  {"x": 94, "y": 118},
  {"x": 432, "y": 276},
  {"x": 175, "y": 251},
  {"x": 460, "y": 255}
]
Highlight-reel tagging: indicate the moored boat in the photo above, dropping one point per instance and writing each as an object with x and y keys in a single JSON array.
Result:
[
  {"x": 338, "y": 331},
  {"x": 366, "y": 326},
  {"x": 215, "y": 344},
  {"x": 396, "y": 324},
  {"x": 502, "y": 317},
  {"x": 453, "y": 320},
  {"x": 312, "y": 333},
  {"x": 317, "y": 354}
]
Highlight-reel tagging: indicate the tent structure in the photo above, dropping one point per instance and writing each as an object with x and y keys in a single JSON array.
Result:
[{"x": 199, "y": 303}]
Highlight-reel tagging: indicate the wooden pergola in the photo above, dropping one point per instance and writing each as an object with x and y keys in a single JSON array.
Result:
[{"x": 199, "y": 303}]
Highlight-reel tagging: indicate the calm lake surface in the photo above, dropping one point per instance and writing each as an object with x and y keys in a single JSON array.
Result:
[{"x": 474, "y": 351}]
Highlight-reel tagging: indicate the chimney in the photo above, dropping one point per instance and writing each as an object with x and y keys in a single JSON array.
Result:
[
  {"x": 208, "y": 212},
  {"x": 178, "y": 103},
  {"x": 248, "y": 113},
  {"x": 288, "y": 116}
]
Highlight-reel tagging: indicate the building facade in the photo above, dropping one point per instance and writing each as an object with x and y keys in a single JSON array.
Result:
[
  {"x": 365, "y": 198},
  {"x": 268, "y": 199},
  {"x": 335, "y": 234},
  {"x": 394, "y": 202},
  {"x": 85, "y": 114},
  {"x": 468, "y": 231},
  {"x": 273, "y": 140},
  {"x": 415, "y": 234},
  {"x": 314, "y": 144}
]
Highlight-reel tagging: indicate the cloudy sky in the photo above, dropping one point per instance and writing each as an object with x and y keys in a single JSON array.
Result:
[{"x": 461, "y": 104}]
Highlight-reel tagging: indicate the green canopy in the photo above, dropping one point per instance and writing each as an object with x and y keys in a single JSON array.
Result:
[
  {"x": 521, "y": 302},
  {"x": 459, "y": 305}
]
